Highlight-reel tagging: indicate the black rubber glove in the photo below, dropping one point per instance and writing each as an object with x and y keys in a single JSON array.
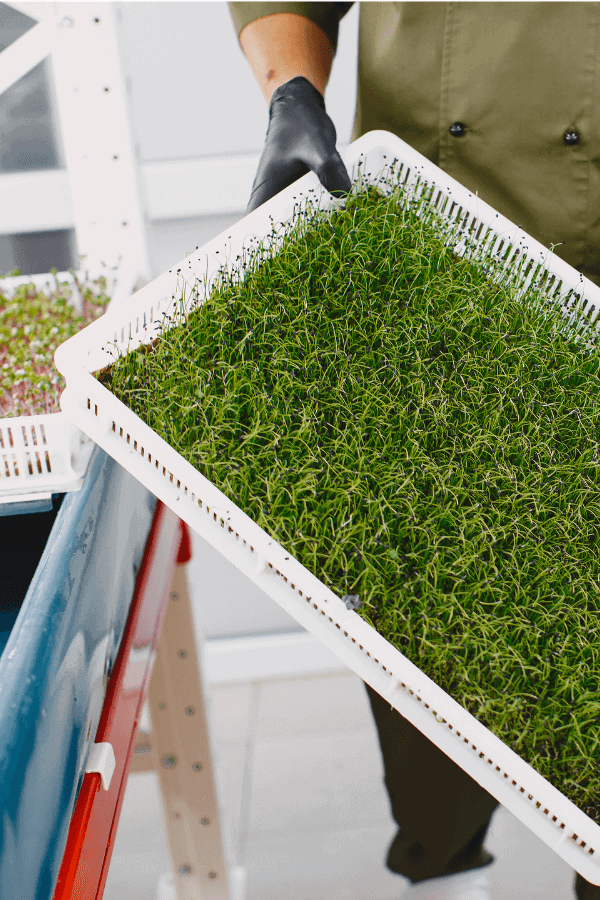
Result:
[{"x": 300, "y": 138}]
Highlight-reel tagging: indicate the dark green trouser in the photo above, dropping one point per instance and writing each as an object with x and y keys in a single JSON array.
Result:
[{"x": 442, "y": 812}]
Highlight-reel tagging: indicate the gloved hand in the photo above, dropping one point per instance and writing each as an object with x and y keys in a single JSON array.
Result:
[{"x": 300, "y": 137}]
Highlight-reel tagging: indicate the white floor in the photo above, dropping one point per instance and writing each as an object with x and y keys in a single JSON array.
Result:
[{"x": 300, "y": 773}]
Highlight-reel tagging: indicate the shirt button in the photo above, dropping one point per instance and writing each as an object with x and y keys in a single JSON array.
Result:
[
  {"x": 457, "y": 129},
  {"x": 571, "y": 137}
]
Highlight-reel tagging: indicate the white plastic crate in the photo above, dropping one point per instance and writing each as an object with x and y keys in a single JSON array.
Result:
[
  {"x": 40, "y": 456},
  {"x": 540, "y": 806},
  {"x": 43, "y": 454}
]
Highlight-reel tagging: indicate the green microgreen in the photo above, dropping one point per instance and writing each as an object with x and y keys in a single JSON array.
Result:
[
  {"x": 416, "y": 429},
  {"x": 32, "y": 326}
]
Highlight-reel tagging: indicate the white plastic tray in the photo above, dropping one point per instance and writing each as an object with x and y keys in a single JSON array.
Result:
[
  {"x": 44, "y": 454},
  {"x": 540, "y": 806},
  {"x": 40, "y": 456}
]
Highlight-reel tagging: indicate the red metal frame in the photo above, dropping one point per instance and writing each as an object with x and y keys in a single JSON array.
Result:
[{"x": 95, "y": 818}]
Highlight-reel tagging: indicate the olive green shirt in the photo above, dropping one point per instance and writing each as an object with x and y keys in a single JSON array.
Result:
[{"x": 523, "y": 81}]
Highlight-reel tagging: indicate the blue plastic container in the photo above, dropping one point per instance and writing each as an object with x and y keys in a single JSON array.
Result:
[{"x": 61, "y": 642}]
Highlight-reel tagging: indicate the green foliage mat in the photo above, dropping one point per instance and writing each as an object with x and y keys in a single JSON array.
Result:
[{"x": 413, "y": 432}]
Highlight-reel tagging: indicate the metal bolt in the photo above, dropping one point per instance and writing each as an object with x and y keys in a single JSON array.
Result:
[
  {"x": 197, "y": 767},
  {"x": 97, "y": 20},
  {"x": 177, "y": 815},
  {"x": 184, "y": 870},
  {"x": 162, "y": 705},
  {"x": 190, "y": 710},
  {"x": 106, "y": 90},
  {"x": 170, "y": 761},
  {"x": 174, "y": 596},
  {"x": 182, "y": 654},
  {"x": 204, "y": 821},
  {"x": 212, "y": 874}
]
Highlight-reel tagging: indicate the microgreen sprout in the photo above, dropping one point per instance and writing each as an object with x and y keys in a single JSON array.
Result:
[
  {"x": 419, "y": 431},
  {"x": 32, "y": 325}
]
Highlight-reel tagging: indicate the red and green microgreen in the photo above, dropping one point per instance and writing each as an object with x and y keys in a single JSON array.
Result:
[{"x": 32, "y": 326}]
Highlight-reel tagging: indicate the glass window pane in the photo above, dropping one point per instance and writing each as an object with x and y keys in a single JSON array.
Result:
[{"x": 27, "y": 130}]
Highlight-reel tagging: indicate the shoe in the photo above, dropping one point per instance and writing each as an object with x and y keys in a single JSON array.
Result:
[{"x": 470, "y": 885}]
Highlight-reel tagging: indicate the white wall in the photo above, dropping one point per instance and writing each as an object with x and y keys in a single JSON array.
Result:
[
  {"x": 194, "y": 98},
  {"x": 199, "y": 121},
  {"x": 192, "y": 91}
]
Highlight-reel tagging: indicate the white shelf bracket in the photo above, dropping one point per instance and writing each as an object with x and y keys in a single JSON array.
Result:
[{"x": 102, "y": 760}]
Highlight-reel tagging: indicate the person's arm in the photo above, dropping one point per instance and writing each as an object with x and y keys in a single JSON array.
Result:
[
  {"x": 283, "y": 46},
  {"x": 291, "y": 56}
]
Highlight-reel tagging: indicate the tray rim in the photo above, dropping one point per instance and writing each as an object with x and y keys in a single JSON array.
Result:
[
  {"x": 69, "y": 450},
  {"x": 213, "y": 516}
]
